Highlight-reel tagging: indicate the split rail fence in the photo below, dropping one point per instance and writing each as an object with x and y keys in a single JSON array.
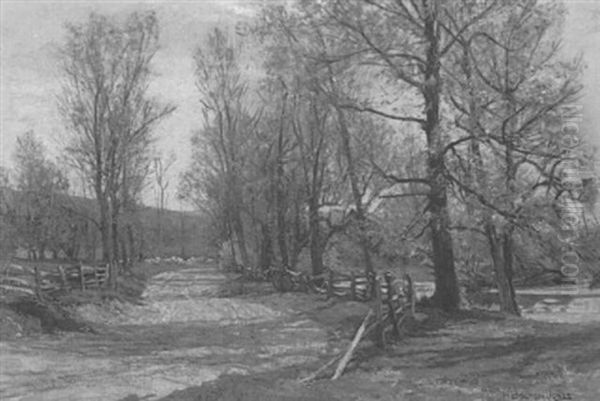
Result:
[{"x": 46, "y": 281}]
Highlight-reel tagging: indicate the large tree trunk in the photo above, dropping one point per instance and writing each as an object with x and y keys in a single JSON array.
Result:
[
  {"x": 502, "y": 258},
  {"x": 356, "y": 194},
  {"x": 280, "y": 197},
  {"x": 446, "y": 284},
  {"x": 500, "y": 245},
  {"x": 266, "y": 248},
  {"x": 240, "y": 238}
]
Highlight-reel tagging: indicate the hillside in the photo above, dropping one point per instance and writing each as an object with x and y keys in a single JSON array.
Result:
[{"x": 155, "y": 232}]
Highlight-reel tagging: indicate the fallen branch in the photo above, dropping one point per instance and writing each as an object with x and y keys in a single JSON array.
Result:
[
  {"x": 357, "y": 337},
  {"x": 322, "y": 369},
  {"x": 337, "y": 357}
]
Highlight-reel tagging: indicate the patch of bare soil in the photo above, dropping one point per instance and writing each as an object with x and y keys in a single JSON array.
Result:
[
  {"x": 197, "y": 336},
  {"x": 469, "y": 357},
  {"x": 182, "y": 334}
]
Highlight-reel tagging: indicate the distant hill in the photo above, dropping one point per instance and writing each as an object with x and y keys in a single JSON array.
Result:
[{"x": 155, "y": 233}]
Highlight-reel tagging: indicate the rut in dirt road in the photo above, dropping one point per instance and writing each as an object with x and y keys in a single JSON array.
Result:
[{"x": 182, "y": 335}]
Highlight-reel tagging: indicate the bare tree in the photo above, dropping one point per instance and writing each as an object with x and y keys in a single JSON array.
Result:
[
  {"x": 160, "y": 170},
  {"x": 510, "y": 92},
  {"x": 106, "y": 71},
  {"x": 403, "y": 42},
  {"x": 229, "y": 121}
]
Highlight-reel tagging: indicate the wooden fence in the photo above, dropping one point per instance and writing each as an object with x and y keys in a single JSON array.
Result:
[
  {"x": 393, "y": 302},
  {"x": 39, "y": 281},
  {"x": 389, "y": 291}
]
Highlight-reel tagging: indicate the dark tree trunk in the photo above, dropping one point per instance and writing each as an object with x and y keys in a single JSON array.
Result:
[
  {"x": 282, "y": 230},
  {"x": 182, "y": 238},
  {"x": 103, "y": 205},
  {"x": 298, "y": 239},
  {"x": 115, "y": 238},
  {"x": 502, "y": 259},
  {"x": 316, "y": 247},
  {"x": 356, "y": 194},
  {"x": 238, "y": 229},
  {"x": 266, "y": 248},
  {"x": 131, "y": 247},
  {"x": 104, "y": 234},
  {"x": 446, "y": 284},
  {"x": 142, "y": 245},
  {"x": 124, "y": 253},
  {"x": 280, "y": 197}
]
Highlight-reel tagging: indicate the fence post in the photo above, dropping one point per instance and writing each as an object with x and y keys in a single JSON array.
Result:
[
  {"x": 410, "y": 293},
  {"x": 38, "y": 290},
  {"x": 390, "y": 300},
  {"x": 81, "y": 279},
  {"x": 63, "y": 277},
  {"x": 379, "y": 335},
  {"x": 106, "y": 275},
  {"x": 353, "y": 286},
  {"x": 97, "y": 276},
  {"x": 330, "y": 286},
  {"x": 371, "y": 278}
]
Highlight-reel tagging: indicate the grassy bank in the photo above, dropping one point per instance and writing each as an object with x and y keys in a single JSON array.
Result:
[{"x": 24, "y": 315}]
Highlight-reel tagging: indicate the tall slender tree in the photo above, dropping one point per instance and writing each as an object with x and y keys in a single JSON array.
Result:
[{"x": 108, "y": 113}]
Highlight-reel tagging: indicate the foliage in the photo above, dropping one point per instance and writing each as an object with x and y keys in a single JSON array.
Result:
[
  {"x": 109, "y": 116},
  {"x": 39, "y": 221}
]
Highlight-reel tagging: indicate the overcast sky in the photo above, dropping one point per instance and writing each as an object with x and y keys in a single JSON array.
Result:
[{"x": 31, "y": 32}]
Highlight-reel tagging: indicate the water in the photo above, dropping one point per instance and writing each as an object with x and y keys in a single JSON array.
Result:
[{"x": 561, "y": 304}]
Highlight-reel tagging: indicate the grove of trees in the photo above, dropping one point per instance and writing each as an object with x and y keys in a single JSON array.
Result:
[
  {"x": 434, "y": 127},
  {"x": 438, "y": 133}
]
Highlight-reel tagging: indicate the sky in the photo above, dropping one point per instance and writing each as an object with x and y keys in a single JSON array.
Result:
[{"x": 32, "y": 31}]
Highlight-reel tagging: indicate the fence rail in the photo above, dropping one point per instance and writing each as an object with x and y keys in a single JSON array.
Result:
[
  {"x": 37, "y": 281},
  {"x": 391, "y": 290}
]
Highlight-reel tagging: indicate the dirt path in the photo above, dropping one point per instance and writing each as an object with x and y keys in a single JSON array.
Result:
[{"x": 183, "y": 335}]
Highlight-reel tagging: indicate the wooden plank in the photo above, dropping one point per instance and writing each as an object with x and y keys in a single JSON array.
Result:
[
  {"x": 17, "y": 281},
  {"x": 342, "y": 284},
  {"x": 18, "y": 289}
]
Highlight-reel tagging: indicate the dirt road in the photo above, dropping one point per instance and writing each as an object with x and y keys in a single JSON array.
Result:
[{"x": 182, "y": 335}]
